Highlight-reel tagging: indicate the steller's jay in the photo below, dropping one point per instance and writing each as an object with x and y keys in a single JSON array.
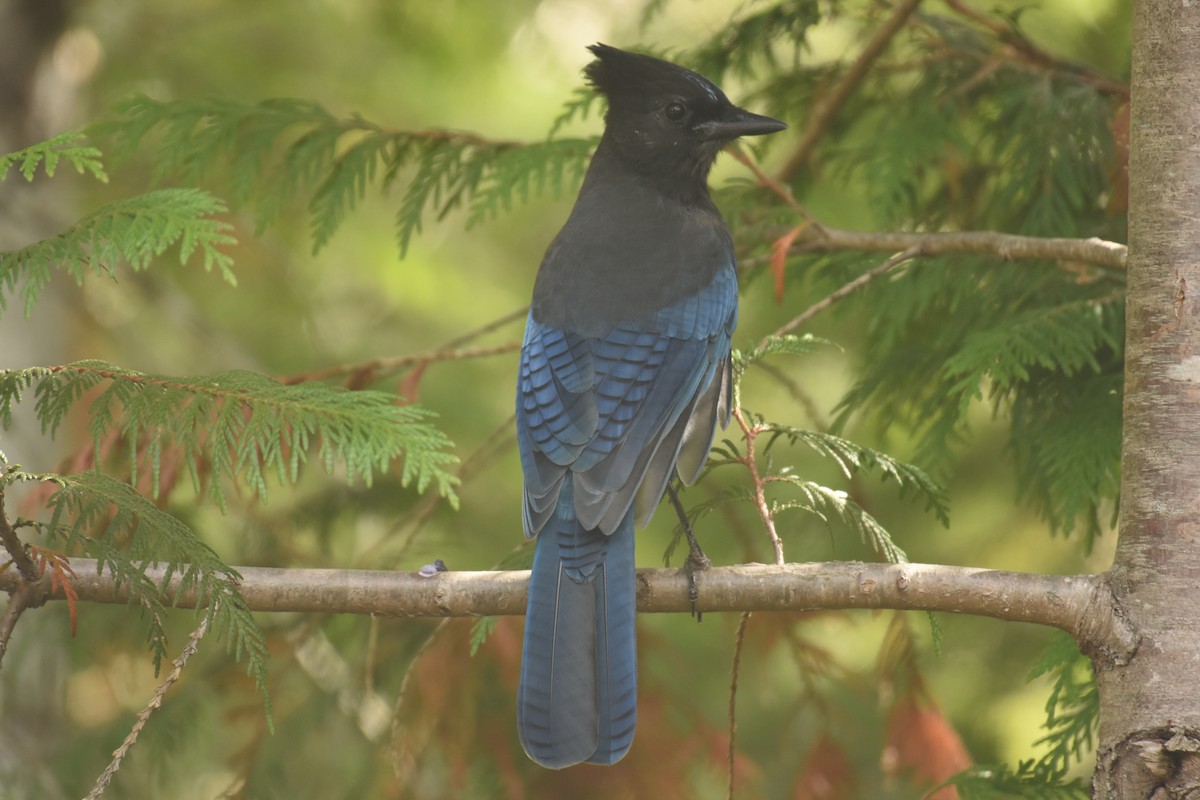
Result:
[{"x": 624, "y": 375}]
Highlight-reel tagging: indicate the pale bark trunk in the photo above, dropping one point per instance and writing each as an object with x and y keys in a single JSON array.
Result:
[{"x": 1150, "y": 706}]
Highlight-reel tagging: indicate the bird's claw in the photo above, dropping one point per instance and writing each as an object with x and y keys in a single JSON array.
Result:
[{"x": 696, "y": 562}]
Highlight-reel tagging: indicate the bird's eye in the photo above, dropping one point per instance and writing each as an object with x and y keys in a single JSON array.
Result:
[{"x": 675, "y": 111}]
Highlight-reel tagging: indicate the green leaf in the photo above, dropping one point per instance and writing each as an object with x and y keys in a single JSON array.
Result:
[
  {"x": 789, "y": 344},
  {"x": 127, "y": 533},
  {"x": 66, "y": 146},
  {"x": 1029, "y": 780},
  {"x": 851, "y": 458},
  {"x": 481, "y": 629},
  {"x": 280, "y": 150},
  {"x": 240, "y": 424},
  {"x": 1073, "y": 708},
  {"x": 554, "y": 167},
  {"x": 135, "y": 230},
  {"x": 825, "y": 502}
]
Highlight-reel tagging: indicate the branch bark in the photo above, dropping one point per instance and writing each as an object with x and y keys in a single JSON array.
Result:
[
  {"x": 1078, "y": 604},
  {"x": 1003, "y": 245}
]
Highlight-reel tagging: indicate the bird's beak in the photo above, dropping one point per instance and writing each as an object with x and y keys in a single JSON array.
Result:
[{"x": 740, "y": 122}]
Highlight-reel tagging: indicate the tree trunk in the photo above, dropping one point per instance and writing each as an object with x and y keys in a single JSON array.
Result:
[{"x": 1150, "y": 706}]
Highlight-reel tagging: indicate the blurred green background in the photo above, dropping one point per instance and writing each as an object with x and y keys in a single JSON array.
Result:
[{"x": 502, "y": 70}]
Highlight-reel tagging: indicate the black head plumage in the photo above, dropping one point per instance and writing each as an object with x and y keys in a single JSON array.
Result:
[
  {"x": 634, "y": 81},
  {"x": 664, "y": 119}
]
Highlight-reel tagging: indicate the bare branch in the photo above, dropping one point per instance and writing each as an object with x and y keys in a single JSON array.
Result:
[
  {"x": 1059, "y": 601},
  {"x": 1021, "y": 50},
  {"x": 817, "y": 236},
  {"x": 451, "y": 350},
  {"x": 25, "y": 591},
  {"x": 1008, "y": 246},
  {"x": 24, "y": 596},
  {"x": 377, "y": 365},
  {"x": 738, "y": 641},
  {"x": 825, "y": 112},
  {"x": 849, "y": 288},
  {"x": 15, "y": 547},
  {"x": 760, "y": 498}
]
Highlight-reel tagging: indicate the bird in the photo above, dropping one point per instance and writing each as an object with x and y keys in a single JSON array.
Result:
[{"x": 624, "y": 375}]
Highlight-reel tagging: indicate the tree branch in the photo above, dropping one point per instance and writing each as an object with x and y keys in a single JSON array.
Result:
[
  {"x": 16, "y": 548},
  {"x": 760, "y": 499},
  {"x": 1081, "y": 605},
  {"x": 826, "y": 111},
  {"x": 451, "y": 350},
  {"x": 847, "y": 289},
  {"x": 817, "y": 236},
  {"x": 25, "y": 591},
  {"x": 1008, "y": 246},
  {"x": 392, "y": 364},
  {"x": 24, "y": 596},
  {"x": 1021, "y": 50}
]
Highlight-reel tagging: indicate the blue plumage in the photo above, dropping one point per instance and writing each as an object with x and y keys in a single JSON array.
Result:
[{"x": 624, "y": 374}]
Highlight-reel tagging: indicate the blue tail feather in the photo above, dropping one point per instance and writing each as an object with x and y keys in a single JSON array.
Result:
[{"x": 578, "y": 695}]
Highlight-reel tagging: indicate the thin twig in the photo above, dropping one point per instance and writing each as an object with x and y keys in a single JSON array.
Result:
[
  {"x": 144, "y": 716},
  {"x": 825, "y": 112},
  {"x": 403, "y": 764},
  {"x": 377, "y": 365},
  {"x": 497, "y": 442},
  {"x": 843, "y": 292},
  {"x": 760, "y": 497},
  {"x": 27, "y": 595},
  {"x": 739, "y": 640},
  {"x": 767, "y": 182},
  {"x": 797, "y": 392},
  {"x": 448, "y": 351},
  {"x": 486, "y": 328},
  {"x": 15, "y": 547},
  {"x": 1034, "y": 55}
]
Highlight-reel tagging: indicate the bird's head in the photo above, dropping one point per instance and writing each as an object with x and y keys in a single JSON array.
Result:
[{"x": 666, "y": 120}]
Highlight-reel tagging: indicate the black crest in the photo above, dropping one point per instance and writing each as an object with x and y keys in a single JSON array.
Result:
[{"x": 627, "y": 78}]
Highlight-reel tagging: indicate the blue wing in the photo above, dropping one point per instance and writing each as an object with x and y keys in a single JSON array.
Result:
[
  {"x": 613, "y": 412},
  {"x": 602, "y": 422}
]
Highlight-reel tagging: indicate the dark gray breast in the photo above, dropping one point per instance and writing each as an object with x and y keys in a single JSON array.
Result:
[{"x": 625, "y": 252}]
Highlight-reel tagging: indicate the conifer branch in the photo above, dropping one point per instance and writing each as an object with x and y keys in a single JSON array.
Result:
[
  {"x": 814, "y": 235},
  {"x": 849, "y": 288},
  {"x": 765, "y": 513},
  {"x": 26, "y": 593},
  {"x": 1021, "y": 50},
  {"x": 1081, "y": 605},
  {"x": 19, "y": 556},
  {"x": 23, "y": 596},
  {"x": 242, "y": 423},
  {"x": 739, "y": 640},
  {"x": 67, "y": 147},
  {"x": 278, "y": 150},
  {"x": 824, "y": 114},
  {"x": 133, "y": 230}
]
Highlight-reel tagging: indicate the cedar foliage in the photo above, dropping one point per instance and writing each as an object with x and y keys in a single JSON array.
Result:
[{"x": 961, "y": 126}]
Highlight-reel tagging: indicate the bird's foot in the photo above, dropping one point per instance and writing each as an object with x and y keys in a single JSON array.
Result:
[{"x": 696, "y": 562}]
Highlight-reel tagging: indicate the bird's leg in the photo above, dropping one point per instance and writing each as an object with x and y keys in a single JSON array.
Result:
[{"x": 696, "y": 560}]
